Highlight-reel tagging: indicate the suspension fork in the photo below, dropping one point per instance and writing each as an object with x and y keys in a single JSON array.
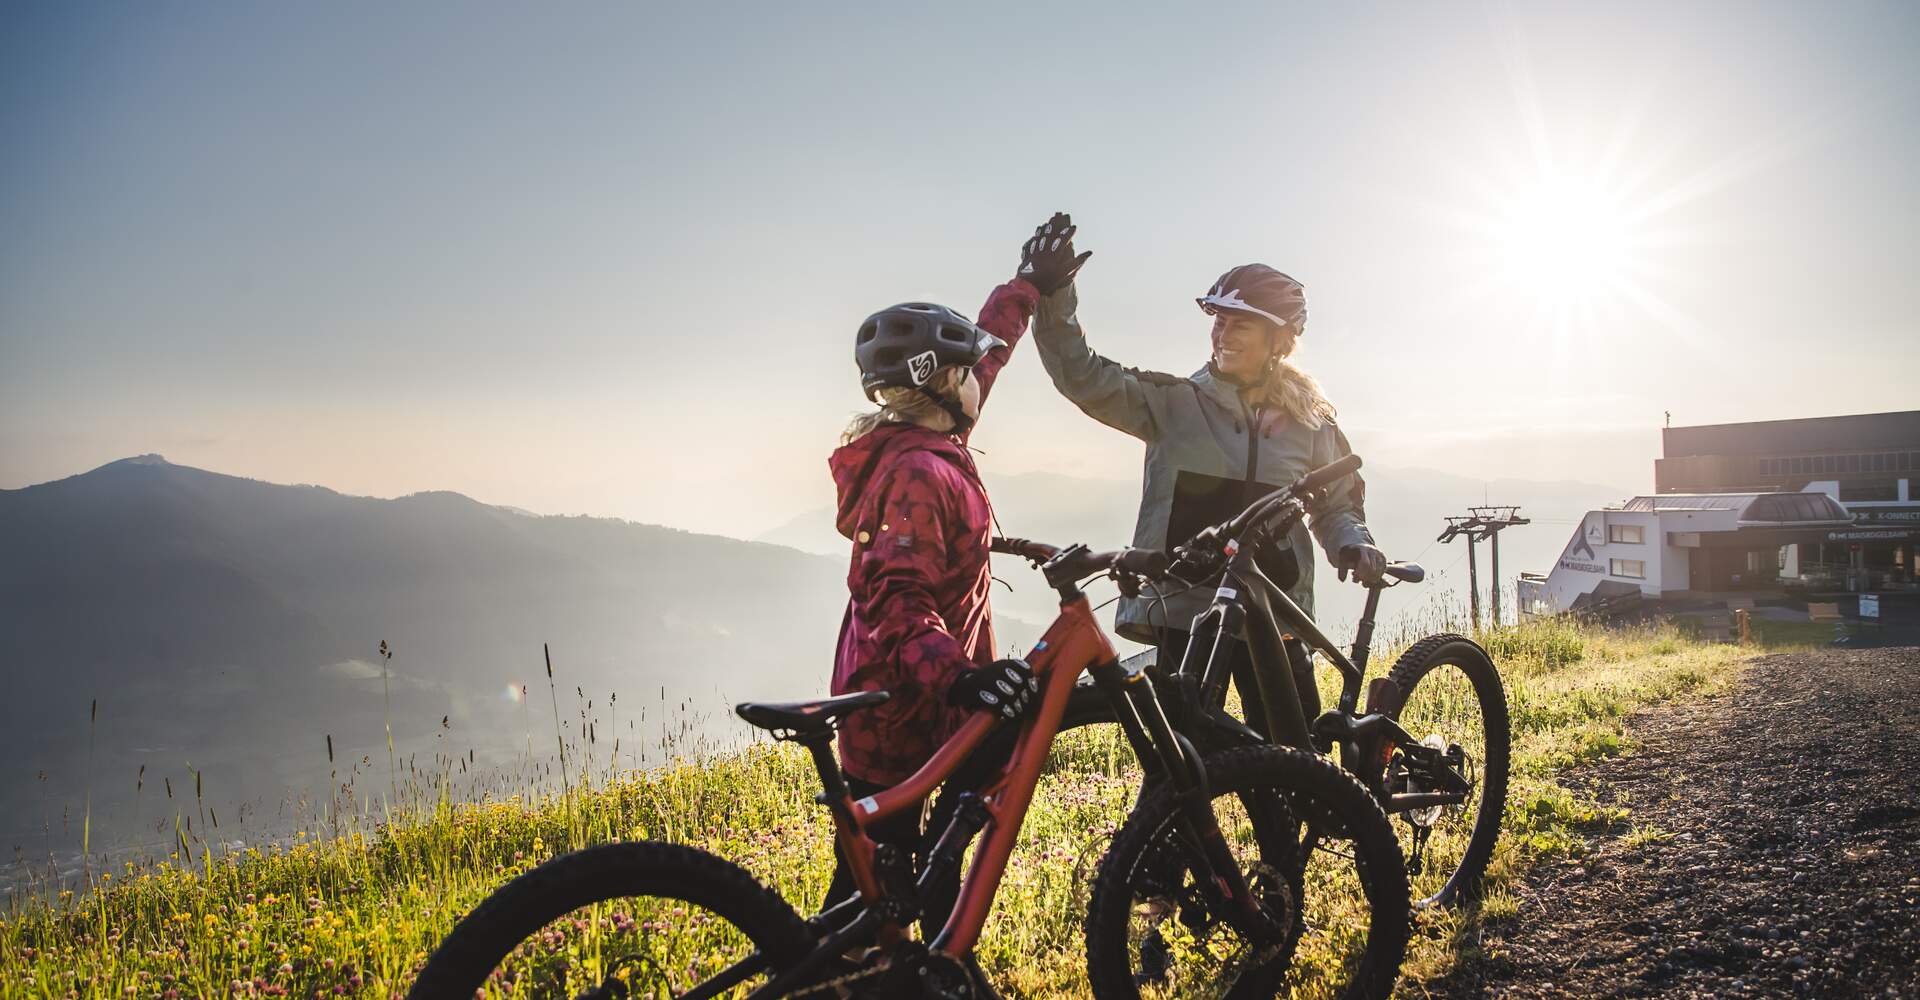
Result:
[
  {"x": 1144, "y": 721},
  {"x": 1141, "y": 718}
]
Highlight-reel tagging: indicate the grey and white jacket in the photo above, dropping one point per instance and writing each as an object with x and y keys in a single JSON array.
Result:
[{"x": 1209, "y": 453}]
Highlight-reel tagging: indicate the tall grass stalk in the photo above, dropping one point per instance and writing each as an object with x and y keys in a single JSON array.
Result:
[
  {"x": 86, "y": 822},
  {"x": 386, "y": 712}
]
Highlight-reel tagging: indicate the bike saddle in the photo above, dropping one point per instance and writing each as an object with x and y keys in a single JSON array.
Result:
[
  {"x": 806, "y": 717},
  {"x": 1406, "y": 572}
]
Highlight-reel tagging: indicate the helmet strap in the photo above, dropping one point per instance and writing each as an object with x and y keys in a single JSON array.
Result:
[{"x": 961, "y": 422}]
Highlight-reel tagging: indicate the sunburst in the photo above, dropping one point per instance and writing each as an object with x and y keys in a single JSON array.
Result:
[{"x": 1573, "y": 237}]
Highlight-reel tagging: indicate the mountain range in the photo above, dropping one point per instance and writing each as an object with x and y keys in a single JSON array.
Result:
[
  {"x": 226, "y": 633},
  {"x": 235, "y": 626}
]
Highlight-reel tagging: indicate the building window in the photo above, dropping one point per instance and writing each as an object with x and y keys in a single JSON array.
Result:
[
  {"x": 1885, "y": 489},
  {"x": 1632, "y": 534},
  {"x": 1633, "y": 568}
]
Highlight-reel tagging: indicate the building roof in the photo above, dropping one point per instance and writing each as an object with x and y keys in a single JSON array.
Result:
[
  {"x": 1752, "y": 508},
  {"x": 1895, "y": 431},
  {"x": 1692, "y": 501}
]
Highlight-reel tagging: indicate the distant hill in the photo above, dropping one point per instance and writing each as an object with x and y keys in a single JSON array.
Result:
[{"x": 234, "y": 624}]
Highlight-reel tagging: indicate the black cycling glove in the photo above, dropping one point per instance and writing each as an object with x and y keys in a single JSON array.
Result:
[
  {"x": 1005, "y": 687},
  {"x": 1047, "y": 259}
]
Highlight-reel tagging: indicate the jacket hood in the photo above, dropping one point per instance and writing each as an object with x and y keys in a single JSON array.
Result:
[{"x": 859, "y": 463}]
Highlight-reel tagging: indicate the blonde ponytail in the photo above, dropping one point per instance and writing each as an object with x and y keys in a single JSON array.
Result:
[
  {"x": 1298, "y": 395},
  {"x": 908, "y": 406}
]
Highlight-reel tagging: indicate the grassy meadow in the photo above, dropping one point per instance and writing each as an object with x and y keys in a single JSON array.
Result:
[{"x": 354, "y": 913}]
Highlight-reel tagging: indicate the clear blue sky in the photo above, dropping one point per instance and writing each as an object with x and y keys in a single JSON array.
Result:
[{"x": 610, "y": 261}]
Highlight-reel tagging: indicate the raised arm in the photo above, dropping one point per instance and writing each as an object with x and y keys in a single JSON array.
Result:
[
  {"x": 1114, "y": 395},
  {"x": 1005, "y": 316}
]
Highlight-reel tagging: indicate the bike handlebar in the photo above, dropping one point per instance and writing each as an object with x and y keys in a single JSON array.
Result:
[
  {"x": 1076, "y": 562},
  {"x": 1039, "y": 552},
  {"x": 1337, "y": 469},
  {"x": 1256, "y": 512}
]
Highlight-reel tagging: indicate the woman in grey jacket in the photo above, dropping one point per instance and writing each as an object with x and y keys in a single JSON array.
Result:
[{"x": 1243, "y": 425}]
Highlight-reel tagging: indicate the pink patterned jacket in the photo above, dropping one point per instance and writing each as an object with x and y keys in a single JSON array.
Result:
[{"x": 917, "y": 612}]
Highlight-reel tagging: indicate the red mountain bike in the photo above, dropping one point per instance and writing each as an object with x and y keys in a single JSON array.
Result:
[{"x": 1219, "y": 839}]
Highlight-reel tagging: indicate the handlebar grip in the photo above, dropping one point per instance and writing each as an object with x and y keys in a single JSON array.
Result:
[
  {"x": 1024, "y": 548},
  {"x": 1150, "y": 563},
  {"x": 1338, "y": 469}
]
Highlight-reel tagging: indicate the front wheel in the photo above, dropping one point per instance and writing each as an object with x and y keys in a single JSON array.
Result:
[
  {"x": 1451, "y": 699},
  {"x": 1315, "y": 848},
  {"x": 640, "y": 919}
]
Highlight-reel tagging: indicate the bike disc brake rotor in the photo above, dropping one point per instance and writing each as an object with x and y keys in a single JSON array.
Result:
[
  {"x": 1431, "y": 814},
  {"x": 1183, "y": 919}
]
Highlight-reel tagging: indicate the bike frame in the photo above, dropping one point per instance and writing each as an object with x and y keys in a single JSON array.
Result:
[
  {"x": 1073, "y": 644},
  {"x": 1246, "y": 597}
]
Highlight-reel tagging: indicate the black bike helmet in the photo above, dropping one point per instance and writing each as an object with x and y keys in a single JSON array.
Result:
[{"x": 905, "y": 345}]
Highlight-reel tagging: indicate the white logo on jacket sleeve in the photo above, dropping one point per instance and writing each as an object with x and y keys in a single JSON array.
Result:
[{"x": 920, "y": 367}]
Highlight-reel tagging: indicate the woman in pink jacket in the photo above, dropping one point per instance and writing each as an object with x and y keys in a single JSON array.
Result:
[{"x": 918, "y": 623}]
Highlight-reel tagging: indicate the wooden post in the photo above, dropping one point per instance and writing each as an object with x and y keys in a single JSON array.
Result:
[
  {"x": 1473, "y": 583},
  {"x": 1493, "y": 541}
]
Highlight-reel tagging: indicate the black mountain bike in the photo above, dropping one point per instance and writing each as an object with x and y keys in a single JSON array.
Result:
[{"x": 1433, "y": 743}]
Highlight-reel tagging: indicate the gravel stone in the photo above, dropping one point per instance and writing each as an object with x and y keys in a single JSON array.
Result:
[{"x": 1792, "y": 870}]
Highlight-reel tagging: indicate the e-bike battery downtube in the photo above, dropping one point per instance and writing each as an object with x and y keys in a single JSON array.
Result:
[{"x": 1279, "y": 694}]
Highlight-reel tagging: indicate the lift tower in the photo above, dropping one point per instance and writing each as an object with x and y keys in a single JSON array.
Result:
[{"x": 1478, "y": 524}]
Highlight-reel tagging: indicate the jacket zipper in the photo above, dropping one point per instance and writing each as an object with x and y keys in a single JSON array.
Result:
[{"x": 1253, "y": 439}]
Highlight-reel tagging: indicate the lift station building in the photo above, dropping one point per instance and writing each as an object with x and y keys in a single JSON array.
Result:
[{"x": 1820, "y": 505}]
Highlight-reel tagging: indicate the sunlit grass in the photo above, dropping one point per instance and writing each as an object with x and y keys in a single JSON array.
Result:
[{"x": 356, "y": 914}]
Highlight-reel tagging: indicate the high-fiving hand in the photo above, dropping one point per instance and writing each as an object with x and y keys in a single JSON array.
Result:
[{"x": 1047, "y": 260}]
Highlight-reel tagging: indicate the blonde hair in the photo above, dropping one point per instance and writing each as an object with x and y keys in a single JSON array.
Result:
[
  {"x": 1298, "y": 395},
  {"x": 909, "y": 406}
]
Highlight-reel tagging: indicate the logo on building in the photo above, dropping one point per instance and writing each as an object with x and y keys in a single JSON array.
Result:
[{"x": 1575, "y": 561}]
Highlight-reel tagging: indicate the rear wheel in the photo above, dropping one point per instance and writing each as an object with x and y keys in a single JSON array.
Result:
[
  {"x": 639, "y": 919},
  {"x": 1315, "y": 848},
  {"x": 1452, "y": 700}
]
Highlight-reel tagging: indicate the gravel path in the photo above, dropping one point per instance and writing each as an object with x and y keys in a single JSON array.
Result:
[{"x": 1793, "y": 866}]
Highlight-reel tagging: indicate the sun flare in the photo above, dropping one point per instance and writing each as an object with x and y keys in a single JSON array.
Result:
[{"x": 1564, "y": 240}]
